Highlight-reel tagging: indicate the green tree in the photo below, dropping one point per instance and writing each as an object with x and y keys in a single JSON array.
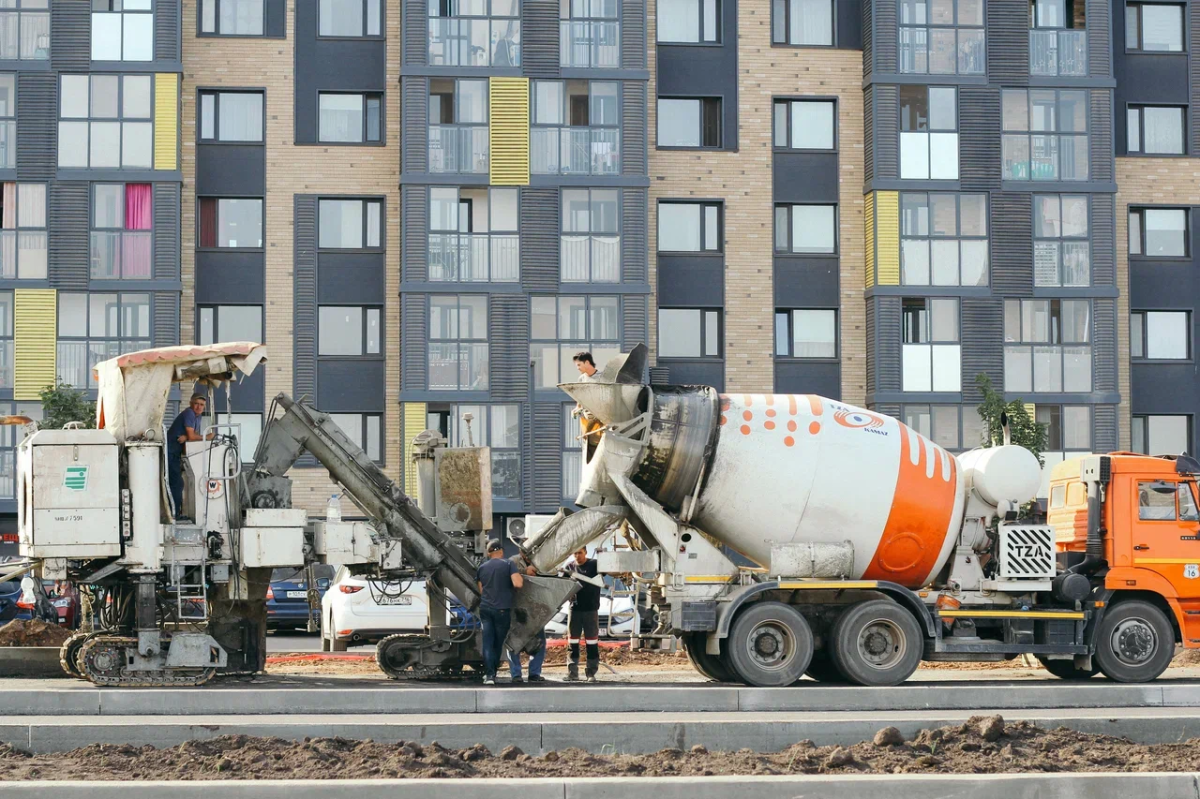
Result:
[
  {"x": 1025, "y": 431},
  {"x": 62, "y": 404}
]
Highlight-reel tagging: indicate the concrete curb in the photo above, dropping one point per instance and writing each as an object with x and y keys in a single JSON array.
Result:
[
  {"x": 31, "y": 661},
  {"x": 895, "y": 786}
]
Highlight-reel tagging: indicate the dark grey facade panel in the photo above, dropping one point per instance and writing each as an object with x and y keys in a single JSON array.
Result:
[
  {"x": 229, "y": 277},
  {"x": 805, "y": 177},
  {"x": 414, "y": 127},
  {"x": 414, "y": 333},
  {"x": 868, "y": 25},
  {"x": 1100, "y": 130},
  {"x": 166, "y": 231},
  {"x": 868, "y": 130},
  {"x": 1008, "y": 42},
  {"x": 416, "y": 31},
  {"x": 691, "y": 281},
  {"x": 539, "y": 239},
  {"x": 165, "y": 330},
  {"x": 887, "y": 410},
  {"x": 698, "y": 372},
  {"x": 347, "y": 284},
  {"x": 540, "y": 38},
  {"x": 806, "y": 281},
  {"x": 1104, "y": 428},
  {"x": 1104, "y": 268},
  {"x": 885, "y": 42},
  {"x": 1104, "y": 345},
  {"x": 1098, "y": 40},
  {"x": 1162, "y": 388},
  {"x": 633, "y": 235},
  {"x": 634, "y": 321},
  {"x": 979, "y": 138},
  {"x": 822, "y": 378},
  {"x": 69, "y": 252},
  {"x": 1193, "y": 12},
  {"x": 344, "y": 65},
  {"x": 508, "y": 347},
  {"x": 167, "y": 31},
  {"x": 691, "y": 71},
  {"x": 982, "y": 344},
  {"x": 304, "y": 302},
  {"x": 872, "y": 356},
  {"x": 633, "y": 34},
  {"x": 275, "y": 19},
  {"x": 37, "y": 128},
  {"x": 885, "y": 126},
  {"x": 633, "y": 128},
  {"x": 350, "y": 386},
  {"x": 547, "y": 436},
  {"x": 70, "y": 36},
  {"x": 887, "y": 343},
  {"x": 414, "y": 250},
  {"x": 849, "y": 24},
  {"x": 231, "y": 170},
  {"x": 1012, "y": 244}
]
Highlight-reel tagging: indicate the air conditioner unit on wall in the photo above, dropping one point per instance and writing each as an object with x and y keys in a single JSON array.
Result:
[{"x": 514, "y": 528}]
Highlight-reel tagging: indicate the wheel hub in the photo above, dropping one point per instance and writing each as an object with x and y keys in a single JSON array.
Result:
[
  {"x": 881, "y": 644},
  {"x": 1134, "y": 641},
  {"x": 770, "y": 645}
]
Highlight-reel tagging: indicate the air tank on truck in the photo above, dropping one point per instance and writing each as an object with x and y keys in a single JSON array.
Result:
[{"x": 873, "y": 548}]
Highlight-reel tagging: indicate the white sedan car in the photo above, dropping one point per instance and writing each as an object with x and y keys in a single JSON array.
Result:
[
  {"x": 358, "y": 611},
  {"x": 618, "y": 614}
]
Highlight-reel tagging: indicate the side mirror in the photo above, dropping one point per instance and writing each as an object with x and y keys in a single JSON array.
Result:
[{"x": 1161, "y": 487}]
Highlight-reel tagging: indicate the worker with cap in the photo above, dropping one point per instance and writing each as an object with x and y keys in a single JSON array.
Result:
[
  {"x": 536, "y": 655},
  {"x": 185, "y": 428},
  {"x": 584, "y": 620},
  {"x": 498, "y": 579}
]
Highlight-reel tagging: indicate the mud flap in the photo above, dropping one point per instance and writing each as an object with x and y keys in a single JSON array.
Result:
[{"x": 536, "y": 603}]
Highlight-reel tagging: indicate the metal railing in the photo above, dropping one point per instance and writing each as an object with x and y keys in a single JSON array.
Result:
[
  {"x": 474, "y": 257},
  {"x": 458, "y": 149},
  {"x": 121, "y": 253},
  {"x": 1058, "y": 53},
  {"x": 575, "y": 151},
  {"x": 590, "y": 259},
  {"x": 465, "y": 42},
  {"x": 590, "y": 43}
]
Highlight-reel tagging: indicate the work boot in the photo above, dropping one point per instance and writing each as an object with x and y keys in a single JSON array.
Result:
[
  {"x": 591, "y": 678},
  {"x": 536, "y": 678},
  {"x": 517, "y": 680},
  {"x": 573, "y": 672}
]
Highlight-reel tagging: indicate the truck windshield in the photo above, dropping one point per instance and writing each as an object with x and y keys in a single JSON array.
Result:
[{"x": 1165, "y": 501}]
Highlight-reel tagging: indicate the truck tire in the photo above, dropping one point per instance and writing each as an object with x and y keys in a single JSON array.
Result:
[
  {"x": 770, "y": 645},
  {"x": 1135, "y": 642},
  {"x": 876, "y": 643},
  {"x": 823, "y": 669},
  {"x": 708, "y": 665},
  {"x": 1066, "y": 670}
]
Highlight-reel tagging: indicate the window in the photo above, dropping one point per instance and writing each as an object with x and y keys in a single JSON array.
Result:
[
  {"x": 475, "y": 33},
  {"x": 806, "y": 333},
  {"x": 121, "y": 238},
  {"x": 231, "y": 116},
  {"x": 221, "y": 323},
  {"x": 248, "y": 429},
  {"x": 96, "y": 327},
  {"x": 1047, "y": 346},
  {"x": 348, "y": 330},
  {"x": 231, "y": 223},
  {"x": 25, "y": 30},
  {"x": 1058, "y": 38},
  {"x": 8, "y": 120},
  {"x": 943, "y": 239},
  {"x": 938, "y": 423},
  {"x": 928, "y": 133},
  {"x": 590, "y": 240},
  {"x": 930, "y": 353},
  {"x": 231, "y": 17},
  {"x": 1154, "y": 27},
  {"x": 104, "y": 122},
  {"x": 941, "y": 37},
  {"x": 365, "y": 430},
  {"x": 575, "y": 128},
  {"x": 689, "y": 333},
  {"x": 350, "y": 118},
  {"x": 802, "y": 22},
  {"x": 591, "y": 33},
  {"x": 689, "y": 227},
  {"x": 1062, "y": 251},
  {"x": 6, "y": 344},
  {"x": 1154, "y": 130},
  {"x": 122, "y": 30},
  {"x": 349, "y": 224},
  {"x": 1162, "y": 435},
  {"x": 497, "y": 427},
  {"x": 1163, "y": 500},
  {"x": 805, "y": 124},
  {"x": 806, "y": 228},
  {"x": 23, "y": 231},
  {"x": 689, "y": 21},
  {"x": 458, "y": 348},
  {"x": 1045, "y": 134},
  {"x": 458, "y": 126},
  {"x": 572, "y": 453},
  {"x": 350, "y": 18},
  {"x": 563, "y": 326},
  {"x": 473, "y": 235},
  {"x": 1068, "y": 427},
  {"x": 1158, "y": 232},
  {"x": 689, "y": 123},
  {"x": 1160, "y": 335}
]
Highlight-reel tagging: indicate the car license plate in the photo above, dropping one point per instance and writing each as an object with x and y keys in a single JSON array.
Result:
[
  {"x": 395, "y": 600},
  {"x": 297, "y": 594}
]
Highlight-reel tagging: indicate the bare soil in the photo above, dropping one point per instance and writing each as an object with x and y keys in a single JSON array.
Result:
[
  {"x": 982, "y": 745},
  {"x": 32, "y": 633}
]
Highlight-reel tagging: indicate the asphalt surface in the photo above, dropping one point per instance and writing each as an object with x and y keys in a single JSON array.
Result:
[{"x": 291, "y": 641}]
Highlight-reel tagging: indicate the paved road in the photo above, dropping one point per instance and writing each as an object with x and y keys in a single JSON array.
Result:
[{"x": 298, "y": 642}]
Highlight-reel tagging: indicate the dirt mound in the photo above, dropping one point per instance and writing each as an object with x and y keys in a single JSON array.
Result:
[
  {"x": 32, "y": 633},
  {"x": 622, "y": 655}
]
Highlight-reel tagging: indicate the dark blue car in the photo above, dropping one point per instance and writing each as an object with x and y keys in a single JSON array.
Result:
[
  {"x": 10, "y": 595},
  {"x": 287, "y": 598}
]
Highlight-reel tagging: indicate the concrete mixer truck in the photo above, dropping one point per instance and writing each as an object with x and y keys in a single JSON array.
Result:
[{"x": 874, "y": 547}]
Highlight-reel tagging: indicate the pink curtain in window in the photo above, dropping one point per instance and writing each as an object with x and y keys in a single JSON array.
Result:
[
  {"x": 10, "y": 206},
  {"x": 137, "y": 206},
  {"x": 135, "y": 242}
]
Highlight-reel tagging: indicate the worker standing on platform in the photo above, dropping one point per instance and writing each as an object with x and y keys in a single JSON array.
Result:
[
  {"x": 185, "y": 428},
  {"x": 584, "y": 621},
  {"x": 498, "y": 580}
]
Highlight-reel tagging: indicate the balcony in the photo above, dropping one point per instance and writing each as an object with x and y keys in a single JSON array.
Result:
[
  {"x": 121, "y": 254},
  {"x": 8, "y": 144},
  {"x": 474, "y": 257},
  {"x": 590, "y": 44},
  {"x": 590, "y": 259},
  {"x": 575, "y": 151},
  {"x": 474, "y": 42},
  {"x": 1061, "y": 53},
  {"x": 458, "y": 149}
]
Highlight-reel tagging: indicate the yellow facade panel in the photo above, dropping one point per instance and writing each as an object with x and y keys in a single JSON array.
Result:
[
  {"x": 414, "y": 423},
  {"x": 166, "y": 121},
  {"x": 887, "y": 237},
  {"x": 508, "y": 131},
  {"x": 869, "y": 226},
  {"x": 35, "y": 342}
]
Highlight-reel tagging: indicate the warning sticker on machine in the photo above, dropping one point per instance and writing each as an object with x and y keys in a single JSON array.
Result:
[{"x": 75, "y": 478}]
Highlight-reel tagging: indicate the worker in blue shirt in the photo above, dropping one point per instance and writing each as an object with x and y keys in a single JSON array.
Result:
[{"x": 186, "y": 427}]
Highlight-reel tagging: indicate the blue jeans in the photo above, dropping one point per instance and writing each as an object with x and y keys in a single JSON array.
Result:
[
  {"x": 175, "y": 480},
  {"x": 535, "y": 660},
  {"x": 495, "y": 622}
]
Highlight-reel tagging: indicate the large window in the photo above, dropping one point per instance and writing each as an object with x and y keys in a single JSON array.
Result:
[
  {"x": 689, "y": 122},
  {"x": 572, "y": 452},
  {"x": 1058, "y": 38},
  {"x": 689, "y": 227},
  {"x": 458, "y": 126},
  {"x": 806, "y": 228},
  {"x": 1047, "y": 346},
  {"x": 1154, "y": 27},
  {"x": 8, "y": 121},
  {"x": 942, "y": 37},
  {"x": 802, "y": 22},
  {"x": 805, "y": 124},
  {"x": 1159, "y": 232},
  {"x": 349, "y": 224},
  {"x": 806, "y": 333},
  {"x": 229, "y": 223},
  {"x": 25, "y": 30},
  {"x": 1162, "y": 435},
  {"x": 220, "y": 323},
  {"x": 591, "y": 33},
  {"x": 1160, "y": 335},
  {"x": 939, "y": 423},
  {"x": 473, "y": 235},
  {"x": 1154, "y": 130},
  {"x": 930, "y": 352},
  {"x": 121, "y": 240},
  {"x": 122, "y": 30},
  {"x": 590, "y": 241},
  {"x": 689, "y": 21},
  {"x": 458, "y": 342},
  {"x": 96, "y": 327},
  {"x": 350, "y": 18},
  {"x": 365, "y": 430},
  {"x": 231, "y": 116},
  {"x": 563, "y": 326},
  {"x": 104, "y": 122},
  {"x": 1068, "y": 427},
  {"x": 1062, "y": 251},
  {"x": 475, "y": 33},
  {"x": 943, "y": 239},
  {"x": 928, "y": 133},
  {"x": 1045, "y": 134},
  {"x": 231, "y": 17},
  {"x": 350, "y": 118},
  {"x": 575, "y": 128},
  {"x": 348, "y": 330},
  {"x": 497, "y": 427},
  {"x": 689, "y": 333},
  {"x": 23, "y": 231}
]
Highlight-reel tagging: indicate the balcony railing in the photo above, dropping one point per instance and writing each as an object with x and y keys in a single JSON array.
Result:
[
  {"x": 76, "y": 359},
  {"x": 1058, "y": 53},
  {"x": 590, "y": 259},
  {"x": 8, "y": 144},
  {"x": 121, "y": 254},
  {"x": 575, "y": 151},
  {"x": 458, "y": 366},
  {"x": 461, "y": 42},
  {"x": 474, "y": 257},
  {"x": 458, "y": 149},
  {"x": 590, "y": 43}
]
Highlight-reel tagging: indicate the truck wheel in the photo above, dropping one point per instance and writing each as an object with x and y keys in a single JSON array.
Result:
[
  {"x": 1066, "y": 670},
  {"x": 708, "y": 665},
  {"x": 876, "y": 643},
  {"x": 770, "y": 645},
  {"x": 823, "y": 669},
  {"x": 1135, "y": 642}
]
